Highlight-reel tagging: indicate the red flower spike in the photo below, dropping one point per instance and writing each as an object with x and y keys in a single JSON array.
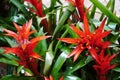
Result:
[
  {"x": 62, "y": 78},
  {"x": 87, "y": 40},
  {"x": 17, "y": 51},
  {"x": 12, "y": 34},
  {"x": 77, "y": 17},
  {"x": 25, "y": 48},
  {"x": 50, "y": 78},
  {"x": 38, "y": 5},
  {"x": 80, "y": 6},
  {"x": 70, "y": 41},
  {"x": 103, "y": 64},
  {"x": 77, "y": 31},
  {"x": 30, "y": 48},
  {"x": 100, "y": 29},
  {"x": 34, "y": 40},
  {"x": 76, "y": 52},
  {"x": 39, "y": 12},
  {"x": 86, "y": 27}
]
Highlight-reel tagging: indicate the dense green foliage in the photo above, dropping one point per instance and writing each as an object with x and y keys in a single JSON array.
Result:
[{"x": 55, "y": 21}]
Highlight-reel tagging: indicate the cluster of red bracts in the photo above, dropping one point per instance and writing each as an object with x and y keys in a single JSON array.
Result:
[
  {"x": 92, "y": 41},
  {"x": 103, "y": 64},
  {"x": 25, "y": 48}
]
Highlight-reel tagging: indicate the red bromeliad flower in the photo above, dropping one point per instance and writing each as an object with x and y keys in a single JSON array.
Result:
[
  {"x": 25, "y": 48},
  {"x": 51, "y": 78},
  {"x": 80, "y": 7},
  {"x": 103, "y": 64},
  {"x": 38, "y": 5},
  {"x": 39, "y": 12},
  {"x": 90, "y": 40}
]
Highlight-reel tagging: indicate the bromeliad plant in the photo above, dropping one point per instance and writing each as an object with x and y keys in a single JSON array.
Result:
[
  {"x": 25, "y": 48},
  {"x": 58, "y": 42}
]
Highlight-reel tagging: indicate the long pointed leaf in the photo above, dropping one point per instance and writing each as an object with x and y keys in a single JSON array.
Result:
[
  {"x": 81, "y": 64},
  {"x": 48, "y": 59},
  {"x": 105, "y": 11},
  {"x": 8, "y": 61},
  {"x": 64, "y": 17},
  {"x": 60, "y": 61},
  {"x": 19, "y": 5}
]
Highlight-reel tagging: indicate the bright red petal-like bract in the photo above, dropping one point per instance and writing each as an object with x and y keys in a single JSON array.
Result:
[
  {"x": 103, "y": 64},
  {"x": 93, "y": 41},
  {"x": 80, "y": 7},
  {"x": 39, "y": 12},
  {"x": 25, "y": 48}
]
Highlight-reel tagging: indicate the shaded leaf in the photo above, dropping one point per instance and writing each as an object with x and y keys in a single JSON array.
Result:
[
  {"x": 60, "y": 61},
  {"x": 8, "y": 61},
  {"x": 13, "y": 77},
  {"x": 71, "y": 77}
]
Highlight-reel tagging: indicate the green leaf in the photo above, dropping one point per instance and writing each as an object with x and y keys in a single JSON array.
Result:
[
  {"x": 11, "y": 42},
  {"x": 83, "y": 61},
  {"x": 20, "y": 68},
  {"x": 60, "y": 61},
  {"x": 28, "y": 70},
  {"x": 48, "y": 59},
  {"x": 114, "y": 38},
  {"x": 6, "y": 23},
  {"x": 41, "y": 47},
  {"x": 8, "y": 61},
  {"x": 10, "y": 56},
  {"x": 107, "y": 6},
  {"x": 117, "y": 69},
  {"x": 13, "y": 77},
  {"x": 20, "y": 19},
  {"x": 112, "y": 26},
  {"x": 63, "y": 35},
  {"x": 71, "y": 77},
  {"x": 52, "y": 5},
  {"x": 19, "y": 5},
  {"x": 105, "y": 11},
  {"x": 64, "y": 17},
  {"x": 93, "y": 11}
]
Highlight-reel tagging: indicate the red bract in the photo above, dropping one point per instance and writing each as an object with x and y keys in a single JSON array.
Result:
[
  {"x": 38, "y": 5},
  {"x": 103, "y": 64},
  {"x": 39, "y": 12},
  {"x": 90, "y": 40},
  {"x": 25, "y": 48},
  {"x": 51, "y": 78},
  {"x": 80, "y": 7}
]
